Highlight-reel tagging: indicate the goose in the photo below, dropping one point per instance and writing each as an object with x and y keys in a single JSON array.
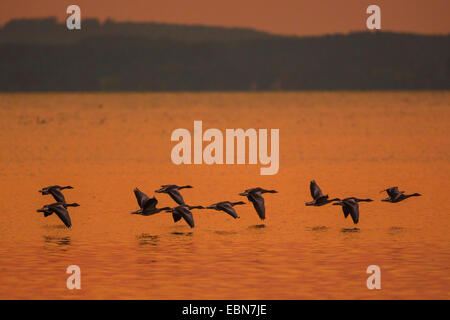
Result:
[
  {"x": 227, "y": 207},
  {"x": 349, "y": 207},
  {"x": 254, "y": 195},
  {"x": 55, "y": 191},
  {"x": 184, "y": 211},
  {"x": 319, "y": 198},
  {"x": 60, "y": 209},
  {"x": 356, "y": 199},
  {"x": 172, "y": 191},
  {"x": 396, "y": 196},
  {"x": 147, "y": 205}
]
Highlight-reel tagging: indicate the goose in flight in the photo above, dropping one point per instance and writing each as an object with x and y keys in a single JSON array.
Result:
[
  {"x": 55, "y": 191},
  {"x": 172, "y": 191},
  {"x": 396, "y": 196},
  {"x": 184, "y": 211},
  {"x": 255, "y": 196},
  {"x": 227, "y": 207},
  {"x": 349, "y": 207},
  {"x": 356, "y": 199},
  {"x": 60, "y": 209},
  {"x": 147, "y": 205},
  {"x": 319, "y": 198}
]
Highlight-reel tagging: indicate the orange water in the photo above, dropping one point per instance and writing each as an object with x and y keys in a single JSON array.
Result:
[{"x": 353, "y": 144}]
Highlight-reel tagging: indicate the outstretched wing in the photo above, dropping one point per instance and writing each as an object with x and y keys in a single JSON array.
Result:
[
  {"x": 345, "y": 210},
  {"x": 393, "y": 192},
  {"x": 315, "y": 190},
  {"x": 63, "y": 214},
  {"x": 176, "y": 217},
  {"x": 186, "y": 215},
  {"x": 353, "y": 209},
  {"x": 228, "y": 208},
  {"x": 141, "y": 198},
  {"x": 176, "y": 196},
  {"x": 59, "y": 197},
  {"x": 258, "y": 204}
]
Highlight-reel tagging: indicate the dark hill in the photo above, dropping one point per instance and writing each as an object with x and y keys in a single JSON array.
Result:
[{"x": 42, "y": 55}]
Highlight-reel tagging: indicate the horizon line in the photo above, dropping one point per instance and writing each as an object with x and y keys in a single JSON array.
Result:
[{"x": 102, "y": 22}]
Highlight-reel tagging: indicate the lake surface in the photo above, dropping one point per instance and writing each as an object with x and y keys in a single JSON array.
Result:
[{"x": 352, "y": 144}]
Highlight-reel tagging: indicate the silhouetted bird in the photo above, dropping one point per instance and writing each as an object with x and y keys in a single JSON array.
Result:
[
  {"x": 396, "y": 196},
  {"x": 255, "y": 196},
  {"x": 147, "y": 205},
  {"x": 184, "y": 211},
  {"x": 60, "y": 209},
  {"x": 319, "y": 198},
  {"x": 349, "y": 207},
  {"x": 227, "y": 207},
  {"x": 172, "y": 191},
  {"x": 356, "y": 199},
  {"x": 55, "y": 191}
]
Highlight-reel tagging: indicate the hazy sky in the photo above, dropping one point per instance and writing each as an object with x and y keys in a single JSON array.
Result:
[{"x": 300, "y": 17}]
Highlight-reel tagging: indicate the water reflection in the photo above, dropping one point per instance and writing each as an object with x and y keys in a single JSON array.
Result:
[
  {"x": 350, "y": 230},
  {"x": 395, "y": 230},
  {"x": 57, "y": 243},
  {"x": 188, "y": 234},
  {"x": 148, "y": 239},
  {"x": 257, "y": 226},
  {"x": 319, "y": 228}
]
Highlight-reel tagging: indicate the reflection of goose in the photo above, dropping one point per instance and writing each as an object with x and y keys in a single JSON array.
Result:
[
  {"x": 319, "y": 198},
  {"x": 184, "y": 211},
  {"x": 172, "y": 191},
  {"x": 349, "y": 207},
  {"x": 227, "y": 207},
  {"x": 55, "y": 191},
  {"x": 255, "y": 197},
  {"x": 147, "y": 205},
  {"x": 60, "y": 209},
  {"x": 396, "y": 196},
  {"x": 61, "y": 241}
]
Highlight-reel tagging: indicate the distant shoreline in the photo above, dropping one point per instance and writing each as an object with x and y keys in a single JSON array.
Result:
[{"x": 42, "y": 55}]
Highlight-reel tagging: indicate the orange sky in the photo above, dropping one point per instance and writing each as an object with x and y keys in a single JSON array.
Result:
[{"x": 300, "y": 17}]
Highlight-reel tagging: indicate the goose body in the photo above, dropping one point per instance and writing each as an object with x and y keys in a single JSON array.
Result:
[
  {"x": 319, "y": 199},
  {"x": 60, "y": 209},
  {"x": 147, "y": 205},
  {"x": 227, "y": 207},
  {"x": 173, "y": 191},
  {"x": 254, "y": 195},
  {"x": 356, "y": 199},
  {"x": 349, "y": 207},
  {"x": 55, "y": 191},
  {"x": 395, "y": 195},
  {"x": 184, "y": 212}
]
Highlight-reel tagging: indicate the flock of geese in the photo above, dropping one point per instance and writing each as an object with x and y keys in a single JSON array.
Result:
[{"x": 147, "y": 205}]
